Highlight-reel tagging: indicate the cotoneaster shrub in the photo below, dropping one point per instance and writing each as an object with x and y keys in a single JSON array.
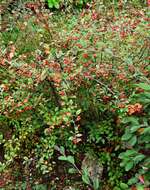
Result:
[{"x": 72, "y": 93}]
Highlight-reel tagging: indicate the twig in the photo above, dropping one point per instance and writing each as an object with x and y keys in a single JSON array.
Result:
[{"x": 99, "y": 82}]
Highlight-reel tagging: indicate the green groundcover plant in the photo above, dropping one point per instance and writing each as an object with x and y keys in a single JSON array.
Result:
[
  {"x": 59, "y": 3},
  {"x": 136, "y": 137}
]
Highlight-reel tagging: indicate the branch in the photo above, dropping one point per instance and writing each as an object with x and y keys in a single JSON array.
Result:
[{"x": 99, "y": 82}]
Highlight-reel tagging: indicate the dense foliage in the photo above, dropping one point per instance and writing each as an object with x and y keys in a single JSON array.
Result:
[
  {"x": 75, "y": 90},
  {"x": 59, "y": 3}
]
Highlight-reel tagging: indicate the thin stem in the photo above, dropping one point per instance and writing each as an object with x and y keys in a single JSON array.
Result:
[{"x": 99, "y": 82}]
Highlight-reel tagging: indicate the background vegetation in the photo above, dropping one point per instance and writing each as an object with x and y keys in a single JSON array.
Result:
[{"x": 74, "y": 95}]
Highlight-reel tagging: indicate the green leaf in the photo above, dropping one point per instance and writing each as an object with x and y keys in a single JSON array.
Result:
[
  {"x": 62, "y": 150},
  {"x": 72, "y": 171},
  {"x": 85, "y": 176},
  {"x": 1, "y": 136},
  {"x": 139, "y": 158},
  {"x": 86, "y": 179},
  {"x": 124, "y": 186},
  {"x": 129, "y": 166},
  {"x": 122, "y": 164},
  {"x": 64, "y": 158},
  {"x": 122, "y": 155},
  {"x": 146, "y": 130},
  {"x": 56, "y": 5},
  {"x": 50, "y": 4},
  {"x": 148, "y": 68},
  {"x": 140, "y": 187},
  {"x": 78, "y": 112},
  {"x": 70, "y": 159},
  {"x": 126, "y": 136},
  {"x": 132, "y": 120},
  {"x": 116, "y": 188},
  {"x": 132, "y": 181},
  {"x": 132, "y": 141},
  {"x": 134, "y": 128},
  {"x": 131, "y": 152},
  {"x": 96, "y": 183},
  {"x": 144, "y": 86}
]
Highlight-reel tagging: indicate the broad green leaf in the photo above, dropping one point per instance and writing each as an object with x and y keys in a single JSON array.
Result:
[
  {"x": 132, "y": 141},
  {"x": 130, "y": 152},
  {"x": 133, "y": 120},
  {"x": 124, "y": 186},
  {"x": 62, "y": 149},
  {"x": 78, "y": 112},
  {"x": 70, "y": 159},
  {"x": 134, "y": 128},
  {"x": 56, "y": 5},
  {"x": 139, "y": 158},
  {"x": 122, "y": 155},
  {"x": 122, "y": 164},
  {"x": 144, "y": 86},
  {"x": 116, "y": 188},
  {"x": 85, "y": 176},
  {"x": 140, "y": 187},
  {"x": 146, "y": 130},
  {"x": 64, "y": 158},
  {"x": 129, "y": 166},
  {"x": 50, "y": 4},
  {"x": 132, "y": 181},
  {"x": 1, "y": 136},
  {"x": 141, "y": 96},
  {"x": 127, "y": 136},
  {"x": 72, "y": 171},
  {"x": 96, "y": 184}
]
